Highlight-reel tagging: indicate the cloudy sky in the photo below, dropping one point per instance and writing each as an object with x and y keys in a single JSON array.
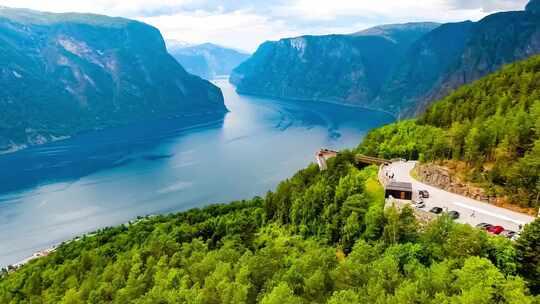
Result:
[{"x": 245, "y": 24}]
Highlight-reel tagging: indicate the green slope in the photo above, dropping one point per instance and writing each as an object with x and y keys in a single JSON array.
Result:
[{"x": 492, "y": 124}]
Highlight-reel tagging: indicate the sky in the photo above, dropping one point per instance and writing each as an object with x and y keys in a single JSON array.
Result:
[{"x": 245, "y": 24}]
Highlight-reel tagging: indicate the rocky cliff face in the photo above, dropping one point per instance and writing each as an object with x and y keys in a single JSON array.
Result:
[
  {"x": 64, "y": 73},
  {"x": 496, "y": 40},
  {"x": 206, "y": 60},
  {"x": 442, "y": 178},
  {"x": 403, "y": 35},
  {"x": 421, "y": 68},
  {"x": 401, "y": 69},
  {"x": 338, "y": 68}
]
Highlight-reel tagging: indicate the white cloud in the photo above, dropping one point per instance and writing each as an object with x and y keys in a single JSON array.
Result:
[
  {"x": 238, "y": 29},
  {"x": 490, "y": 5},
  {"x": 247, "y": 23}
]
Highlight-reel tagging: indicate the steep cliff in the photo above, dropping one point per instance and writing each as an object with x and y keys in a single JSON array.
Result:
[
  {"x": 338, "y": 68},
  {"x": 396, "y": 68},
  {"x": 420, "y": 69},
  {"x": 64, "y": 73},
  {"x": 496, "y": 40}
]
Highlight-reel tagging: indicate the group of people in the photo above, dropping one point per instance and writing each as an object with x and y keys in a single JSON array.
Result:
[{"x": 389, "y": 175}]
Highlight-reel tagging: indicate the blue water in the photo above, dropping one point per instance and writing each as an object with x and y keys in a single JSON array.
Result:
[{"x": 51, "y": 193}]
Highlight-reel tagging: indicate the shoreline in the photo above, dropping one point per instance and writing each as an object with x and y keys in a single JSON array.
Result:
[
  {"x": 307, "y": 100},
  {"x": 36, "y": 255},
  {"x": 52, "y": 248},
  {"x": 21, "y": 147}
]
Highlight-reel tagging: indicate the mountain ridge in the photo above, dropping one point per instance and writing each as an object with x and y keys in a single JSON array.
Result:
[
  {"x": 497, "y": 40},
  {"x": 66, "y": 73},
  {"x": 428, "y": 67},
  {"x": 207, "y": 60},
  {"x": 330, "y": 68}
]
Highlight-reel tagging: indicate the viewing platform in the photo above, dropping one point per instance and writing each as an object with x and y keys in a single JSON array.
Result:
[{"x": 322, "y": 156}]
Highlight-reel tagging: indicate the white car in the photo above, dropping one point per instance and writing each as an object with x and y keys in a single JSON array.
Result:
[
  {"x": 515, "y": 236},
  {"x": 419, "y": 204}
]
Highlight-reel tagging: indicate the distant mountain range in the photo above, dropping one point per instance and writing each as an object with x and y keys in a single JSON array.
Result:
[
  {"x": 64, "y": 73},
  {"x": 397, "y": 68},
  {"x": 206, "y": 60}
]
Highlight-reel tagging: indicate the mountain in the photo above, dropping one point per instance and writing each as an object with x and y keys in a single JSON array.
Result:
[
  {"x": 533, "y": 6},
  {"x": 422, "y": 65},
  {"x": 402, "y": 34},
  {"x": 456, "y": 54},
  {"x": 206, "y": 60},
  {"x": 335, "y": 68},
  {"x": 65, "y": 73},
  {"x": 496, "y": 40},
  {"x": 418, "y": 64}
]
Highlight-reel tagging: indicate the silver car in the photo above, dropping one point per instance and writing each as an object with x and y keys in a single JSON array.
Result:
[
  {"x": 508, "y": 233},
  {"x": 420, "y": 205}
]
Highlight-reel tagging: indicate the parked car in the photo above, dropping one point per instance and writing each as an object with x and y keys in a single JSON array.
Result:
[
  {"x": 495, "y": 229},
  {"x": 508, "y": 233},
  {"x": 436, "y": 210},
  {"x": 423, "y": 193},
  {"x": 453, "y": 215},
  {"x": 420, "y": 205},
  {"x": 484, "y": 226}
]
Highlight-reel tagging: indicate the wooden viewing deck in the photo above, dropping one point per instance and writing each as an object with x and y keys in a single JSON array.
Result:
[
  {"x": 322, "y": 156},
  {"x": 370, "y": 160}
]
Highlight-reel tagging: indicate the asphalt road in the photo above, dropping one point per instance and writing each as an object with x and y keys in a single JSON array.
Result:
[{"x": 471, "y": 211}]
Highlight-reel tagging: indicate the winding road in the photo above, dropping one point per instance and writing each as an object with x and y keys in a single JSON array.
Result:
[{"x": 471, "y": 211}]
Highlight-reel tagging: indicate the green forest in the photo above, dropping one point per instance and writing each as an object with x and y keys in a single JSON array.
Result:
[
  {"x": 321, "y": 237},
  {"x": 493, "y": 125}
]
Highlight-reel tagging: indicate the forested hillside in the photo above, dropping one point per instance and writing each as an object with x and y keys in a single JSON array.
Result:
[
  {"x": 319, "y": 238},
  {"x": 493, "y": 125}
]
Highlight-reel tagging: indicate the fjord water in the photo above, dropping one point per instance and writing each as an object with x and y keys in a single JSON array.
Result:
[{"x": 52, "y": 193}]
